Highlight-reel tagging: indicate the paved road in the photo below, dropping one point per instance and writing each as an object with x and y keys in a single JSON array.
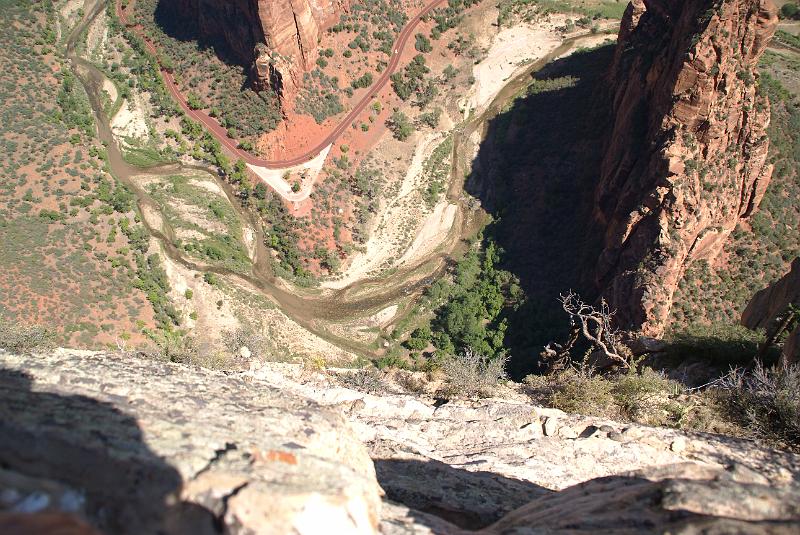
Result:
[{"x": 221, "y": 134}]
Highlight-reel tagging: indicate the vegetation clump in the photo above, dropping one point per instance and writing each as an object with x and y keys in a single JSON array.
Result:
[
  {"x": 471, "y": 374},
  {"x": 766, "y": 401},
  {"x": 18, "y": 338}
]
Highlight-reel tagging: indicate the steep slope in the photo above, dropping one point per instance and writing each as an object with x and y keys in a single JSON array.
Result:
[
  {"x": 277, "y": 37},
  {"x": 686, "y": 155}
]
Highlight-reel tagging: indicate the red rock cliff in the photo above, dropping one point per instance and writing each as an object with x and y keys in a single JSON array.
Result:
[
  {"x": 278, "y": 38},
  {"x": 687, "y": 155}
]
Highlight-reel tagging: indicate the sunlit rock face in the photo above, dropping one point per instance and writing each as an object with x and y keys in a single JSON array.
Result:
[
  {"x": 686, "y": 159},
  {"x": 278, "y": 38}
]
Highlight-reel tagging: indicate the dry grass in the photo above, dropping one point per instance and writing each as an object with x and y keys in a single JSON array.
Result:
[
  {"x": 767, "y": 402},
  {"x": 470, "y": 374}
]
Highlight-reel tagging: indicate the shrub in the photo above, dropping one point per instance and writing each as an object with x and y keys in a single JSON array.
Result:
[
  {"x": 368, "y": 381},
  {"x": 391, "y": 361},
  {"x": 422, "y": 44},
  {"x": 790, "y": 11},
  {"x": 581, "y": 393},
  {"x": 641, "y": 396},
  {"x": 767, "y": 401},
  {"x": 246, "y": 336},
  {"x": 644, "y": 396},
  {"x": 21, "y": 338},
  {"x": 174, "y": 346},
  {"x": 363, "y": 81},
  {"x": 431, "y": 118},
  {"x": 400, "y": 126},
  {"x": 472, "y": 374},
  {"x": 420, "y": 338}
]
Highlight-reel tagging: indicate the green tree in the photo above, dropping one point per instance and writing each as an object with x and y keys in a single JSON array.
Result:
[
  {"x": 193, "y": 101},
  {"x": 790, "y": 11},
  {"x": 400, "y": 126},
  {"x": 422, "y": 44}
]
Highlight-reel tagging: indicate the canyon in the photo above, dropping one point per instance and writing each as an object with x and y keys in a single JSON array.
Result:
[{"x": 686, "y": 159}]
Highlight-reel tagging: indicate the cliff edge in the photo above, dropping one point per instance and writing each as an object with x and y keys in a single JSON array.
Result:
[{"x": 133, "y": 445}]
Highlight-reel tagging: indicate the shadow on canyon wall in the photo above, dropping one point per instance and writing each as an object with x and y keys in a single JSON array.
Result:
[
  {"x": 232, "y": 42},
  {"x": 536, "y": 173}
]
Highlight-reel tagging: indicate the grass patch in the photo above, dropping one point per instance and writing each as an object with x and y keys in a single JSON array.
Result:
[{"x": 143, "y": 156}]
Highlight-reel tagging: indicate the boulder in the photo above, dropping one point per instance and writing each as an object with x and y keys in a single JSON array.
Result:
[
  {"x": 158, "y": 447},
  {"x": 681, "y": 498}
]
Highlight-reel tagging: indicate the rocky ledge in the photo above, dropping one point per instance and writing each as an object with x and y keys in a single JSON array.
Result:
[{"x": 137, "y": 446}]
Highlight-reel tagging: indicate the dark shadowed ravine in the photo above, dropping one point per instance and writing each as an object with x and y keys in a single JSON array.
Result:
[{"x": 308, "y": 307}]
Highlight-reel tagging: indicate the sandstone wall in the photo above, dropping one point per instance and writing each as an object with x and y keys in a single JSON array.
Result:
[
  {"x": 290, "y": 30},
  {"x": 687, "y": 153}
]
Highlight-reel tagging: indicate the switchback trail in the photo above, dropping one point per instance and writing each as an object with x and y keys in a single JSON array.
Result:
[{"x": 221, "y": 134}]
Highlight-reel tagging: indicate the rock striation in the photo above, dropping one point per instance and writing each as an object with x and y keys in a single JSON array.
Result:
[
  {"x": 769, "y": 309},
  {"x": 505, "y": 466},
  {"x": 686, "y": 157},
  {"x": 138, "y": 446},
  {"x": 277, "y": 38}
]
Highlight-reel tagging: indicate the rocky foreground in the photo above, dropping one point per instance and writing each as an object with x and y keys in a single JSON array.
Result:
[{"x": 138, "y": 446}]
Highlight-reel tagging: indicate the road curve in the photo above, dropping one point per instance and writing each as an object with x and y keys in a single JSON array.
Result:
[{"x": 221, "y": 134}]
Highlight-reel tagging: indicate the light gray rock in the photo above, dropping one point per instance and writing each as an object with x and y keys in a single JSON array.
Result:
[
  {"x": 158, "y": 446},
  {"x": 550, "y": 426},
  {"x": 463, "y": 457},
  {"x": 678, "y": 445},
  {"x": 148, "y": 446},
  {"x": 683, "y": 498},
  {"x": 568, "y": 432}
]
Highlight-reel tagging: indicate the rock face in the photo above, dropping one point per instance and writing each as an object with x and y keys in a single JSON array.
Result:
[
  {"x": 278, "y": 38},
  {"x": 469, "y": 464},
  {"x": 769, "y": 310},
  {"x": 139, "y": 446},
  {"x": 149, "y": 447},
  {"x": 686, "y": 157},
  {"x": 684, "y": 498}
]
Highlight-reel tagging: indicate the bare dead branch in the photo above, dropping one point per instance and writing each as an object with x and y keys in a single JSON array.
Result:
[{"x": 595, "y": 324}]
